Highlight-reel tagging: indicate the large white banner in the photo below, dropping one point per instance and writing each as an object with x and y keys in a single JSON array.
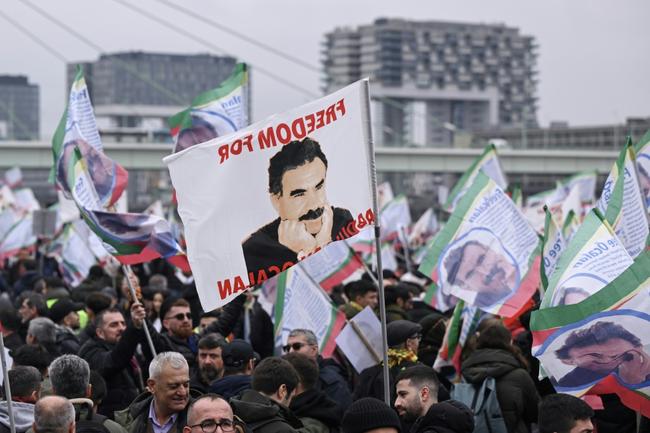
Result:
[{"x": 256, "y": 202}]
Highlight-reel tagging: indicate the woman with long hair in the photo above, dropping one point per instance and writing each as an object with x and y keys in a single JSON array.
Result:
[{"x": 495, "y": 356}]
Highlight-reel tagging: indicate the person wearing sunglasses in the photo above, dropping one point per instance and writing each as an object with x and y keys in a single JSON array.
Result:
[
  {"x": 332, "y": 379},
  {"x": 177, "y": 324},
  {"x": 210, "y": 413}
]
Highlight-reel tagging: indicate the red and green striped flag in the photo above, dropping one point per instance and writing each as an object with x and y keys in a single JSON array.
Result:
[
  {"x": 600, "y": 345},
  {"x": 214, "y": 113},
  {"x": 301, "y": 303},
  {"x": 487, "y": 254},
  {"x": 593, "y": 258}
]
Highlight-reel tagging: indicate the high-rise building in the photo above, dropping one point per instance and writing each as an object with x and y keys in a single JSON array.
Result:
[
  {"x": 19, "y": 108},
  {"x": 134, "y": 93},
  {"x": 431, "y": 81}
]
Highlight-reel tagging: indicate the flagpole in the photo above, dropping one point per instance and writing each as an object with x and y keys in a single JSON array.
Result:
[
  {"x": 7, "y": 386},
  {"x": 375, "y": 209},
  {"x": 365, "y": 265},
  {"x": 128, "y": 272}
]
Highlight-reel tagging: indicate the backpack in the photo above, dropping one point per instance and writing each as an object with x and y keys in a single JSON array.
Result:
[
  {"x": 91, "y": 423},
  {"x": 483, "y": 402}
]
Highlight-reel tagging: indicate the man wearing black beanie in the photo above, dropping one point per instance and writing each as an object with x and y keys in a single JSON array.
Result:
[{"x": 369, "y": 415}]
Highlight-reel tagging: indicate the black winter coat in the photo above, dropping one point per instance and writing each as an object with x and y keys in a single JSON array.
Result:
[
  {"x": 263, "y": 415},
  {"x": 516, "y": 391},
  {"x": 315, "y": 404}
]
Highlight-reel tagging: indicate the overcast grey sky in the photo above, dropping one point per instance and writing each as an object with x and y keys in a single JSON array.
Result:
[{"x": 593, "y": 57}]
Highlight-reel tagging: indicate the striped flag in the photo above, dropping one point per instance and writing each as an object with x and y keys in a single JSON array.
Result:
[
  {"x": 214, "y": 113},
  {"x": 601, "y": 345}
]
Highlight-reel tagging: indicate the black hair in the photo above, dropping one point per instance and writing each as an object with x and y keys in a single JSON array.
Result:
[
  {"x": 9, "y": 318},
  {"x": 395, "y": 292},
  {"x": 559, "y": 412},
  {"x": 497, "y": 336},
  {"x": 36, "y": 300},
  {"x": 99, "y": 320},
  {"x": 454, "y": 259},
  {"x": 306, "y": 368},
  {"x": 97, "y": 302},
  {"x": 421, "y": 375},
  {"x": 359, "y": 288},
  {"x": 272, "y": 373},
  {"x": 34, "y": 355},
  {"x": 212, "y": 341},
  {"x": 292, "y": 155},
  {"x": 24, "y": 380},
  {"x": 598, "y": 333}
]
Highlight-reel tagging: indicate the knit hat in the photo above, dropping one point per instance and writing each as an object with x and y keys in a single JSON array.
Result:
[
  {"x": 400, "y": 330},
  {"x": 367, "y": 414}
]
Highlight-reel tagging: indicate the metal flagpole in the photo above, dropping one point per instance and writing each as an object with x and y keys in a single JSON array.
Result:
[
  {"x": 5, "y": 373},
  {"x": 375, "y": 209},
  {"x": 128, "y": 272}
]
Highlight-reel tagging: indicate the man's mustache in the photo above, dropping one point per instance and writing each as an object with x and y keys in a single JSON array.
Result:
[{"x": 312, "y": 214}]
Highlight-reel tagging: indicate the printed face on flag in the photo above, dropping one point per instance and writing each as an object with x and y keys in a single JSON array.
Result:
[
  {"x": 613, "y": 342},
  {"x": 479, "y": 265},
  {"x": 273, "y": 193},
  {"x": 572, "y": 290},
  {"x": 486, "y": 254},
  {"x": 202, "y": 129}
]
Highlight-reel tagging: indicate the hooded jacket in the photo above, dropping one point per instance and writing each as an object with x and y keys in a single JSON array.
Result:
[
  {"x": 332, "y": 380},
  {"x": 263, "y": 415},
  {"x": 516, "y": 391},
  {"x": 315, "y": 409},
  {"x": 446, "y": 417},
  {"x": 23, "y": 416}
]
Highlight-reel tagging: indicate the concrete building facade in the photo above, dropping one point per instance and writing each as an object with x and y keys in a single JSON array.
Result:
[
  {"x": 432, "y": 80},
  {"x": 19, "y": 108}
]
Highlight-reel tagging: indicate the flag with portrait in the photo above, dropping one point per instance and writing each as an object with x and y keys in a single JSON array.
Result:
[
  {"x": 258, "y": 201},
  {"x": 601, "y": 345},
  {"x": 487, "y": 254}
]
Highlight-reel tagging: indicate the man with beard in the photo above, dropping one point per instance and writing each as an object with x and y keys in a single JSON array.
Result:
[
  {"x": 209, "y": 363},
  {"x": 177, "y": 321},
  {"x": 306, "y": 222},
  {"x": 417, "y": 403},
  {"x": 111, "y": 353},
  {"x": 478, "y": 268}
]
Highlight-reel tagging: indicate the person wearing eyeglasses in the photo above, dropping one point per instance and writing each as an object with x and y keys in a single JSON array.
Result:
[
  {"x": 210, "y": 413},
  {"x": 177, "y": 323},
  {"x": 332, "y": 378}
]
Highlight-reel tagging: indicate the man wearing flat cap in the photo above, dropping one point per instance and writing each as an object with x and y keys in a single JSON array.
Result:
[
  {"x": 64, "y": 314},
  {"x": 403, "y": 341}
]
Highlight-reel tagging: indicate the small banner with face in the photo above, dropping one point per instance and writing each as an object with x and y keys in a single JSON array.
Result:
[
  {"x": 593, "y": 258},
  {"x": 487, "y": 254},
  {"x": 622, "y": 203},
  {"x": 258, "y": 201},
  {"x": 602, "y": 344}
]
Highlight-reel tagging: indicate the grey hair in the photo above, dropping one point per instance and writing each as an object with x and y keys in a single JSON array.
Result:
[
  {"x": 173, "y": 359},
  {"x": 43, "y": 329},
  {"x": 70, "y": 376},
  {"x": 309, "y": 335},
  {"x": 53, "y": 414}
]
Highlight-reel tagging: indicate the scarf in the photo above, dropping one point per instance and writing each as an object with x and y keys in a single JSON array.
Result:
[{"x": 397, "y": 356}]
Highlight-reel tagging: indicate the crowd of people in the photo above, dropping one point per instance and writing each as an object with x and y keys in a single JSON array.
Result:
[{"x": 80, "y": 361}]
